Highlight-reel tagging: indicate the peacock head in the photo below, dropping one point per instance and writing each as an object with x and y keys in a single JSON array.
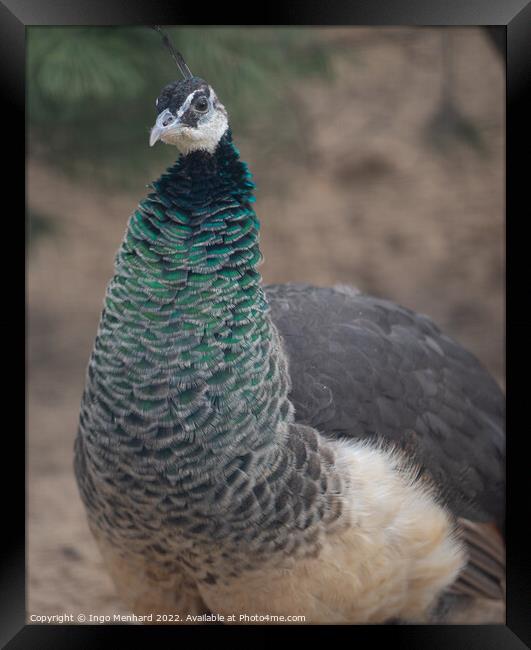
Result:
[{"x": 190, "y": 116}]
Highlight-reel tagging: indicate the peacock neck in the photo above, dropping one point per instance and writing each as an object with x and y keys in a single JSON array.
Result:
[
  {"x": 195, "y": 241},
  {"x": 186, "y": 353}
]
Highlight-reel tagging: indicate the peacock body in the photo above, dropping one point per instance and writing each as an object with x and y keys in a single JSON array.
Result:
[{"x": 279, "y": 450}]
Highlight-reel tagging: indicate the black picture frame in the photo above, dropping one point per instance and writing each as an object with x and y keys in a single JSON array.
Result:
[{"x": 510, "y": 25}]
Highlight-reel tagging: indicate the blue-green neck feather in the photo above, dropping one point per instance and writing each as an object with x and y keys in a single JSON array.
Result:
[{"x": 187, "y": 370}]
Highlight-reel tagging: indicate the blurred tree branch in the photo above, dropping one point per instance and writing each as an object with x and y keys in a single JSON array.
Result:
[{"x": 92, "y": 90}]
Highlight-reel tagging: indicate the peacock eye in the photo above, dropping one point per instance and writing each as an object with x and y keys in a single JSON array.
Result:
[{"x": 201, "y": 104}]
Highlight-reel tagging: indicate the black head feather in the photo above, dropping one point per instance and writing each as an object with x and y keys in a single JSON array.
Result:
[
  {"x": 174, "y": 94},
  {"x": 177, "y": 56}
]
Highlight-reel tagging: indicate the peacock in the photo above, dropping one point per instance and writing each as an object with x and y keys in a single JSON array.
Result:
[{"x": 291, "y": 452}]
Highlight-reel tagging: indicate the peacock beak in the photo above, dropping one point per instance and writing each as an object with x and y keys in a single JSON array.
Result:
[{"x": 165, "y": 121}]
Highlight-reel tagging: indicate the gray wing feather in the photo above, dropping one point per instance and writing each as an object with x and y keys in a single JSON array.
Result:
[{"x": 366, "y": 367}]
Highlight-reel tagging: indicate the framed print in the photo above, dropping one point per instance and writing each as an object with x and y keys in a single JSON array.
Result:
[{"x": 242, "y": 444}]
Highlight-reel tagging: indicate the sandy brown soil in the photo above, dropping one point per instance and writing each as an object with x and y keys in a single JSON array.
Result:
[{"x": 364, "y": 202}]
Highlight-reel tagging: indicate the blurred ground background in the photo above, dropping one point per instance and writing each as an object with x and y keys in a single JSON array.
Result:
[{"x": 379, "y": 159}]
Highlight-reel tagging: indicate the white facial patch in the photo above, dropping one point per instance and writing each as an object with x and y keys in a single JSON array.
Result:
[{"x": 206, "y": 135}]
